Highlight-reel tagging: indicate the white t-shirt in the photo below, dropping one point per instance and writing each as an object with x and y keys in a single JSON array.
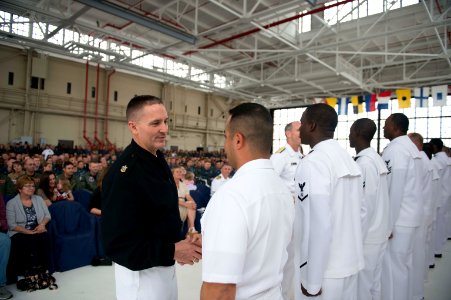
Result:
[
  {"x": 285, "y": 162},
  {"x": 374, "y": 174},
  {"x": 246, "y": 229},
  {"x": 329, "y": 194}
]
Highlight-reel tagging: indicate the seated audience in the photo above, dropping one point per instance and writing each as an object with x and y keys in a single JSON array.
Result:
[
  {"x": 187, "y": 206},
  {"x": 95, "y": 208},
  {"x": 5, "y": 245},
  {"x": 17, "y": 171},
  {"x": 47, "y": 187},
  {"x": 190, "y": 182},
  {"x": 27, "y": 217},
  {"x": 63, "y": 190}
]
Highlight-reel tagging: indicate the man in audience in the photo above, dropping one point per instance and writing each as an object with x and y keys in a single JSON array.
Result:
[
  {"x": 68, "y": 174},
  {"x": 30, "y": 170},
  {"x": 206, "y": 172},
  {"x": 285, "y": 162},
  {"x": 406, "y": 209},
  {"x": 88, "y": 181},
  {"x": 221, "y": 178},
  {"x": 5, "y": 246},
  {"x": 47, "y": 152},
  {"x": 248, "y": 223},
  {"x": 329, "y": 187},
  {"x": 375, "y": 226},
  {"x": 138, "y": 185}
]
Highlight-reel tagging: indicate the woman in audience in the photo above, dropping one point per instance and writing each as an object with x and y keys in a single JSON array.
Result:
[
  {"x": 95, "y": 208},
  {"x": 47, "y": 186},
  {"x": 17, "y": 171},
  {"x": 27, "y": 217},
  {"x": 187, "y": 206}
]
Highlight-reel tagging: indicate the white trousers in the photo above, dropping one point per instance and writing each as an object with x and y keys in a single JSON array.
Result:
[
  {"x": 397, "y": 266},
  {"x": 430, "y": 231},
  {"x": 158, "y": 283},
  {"x": 336, "y": 289},
  {"x": 288, "y": 283},
  {"x": 369, "y": 279},
  {"x": 440, "y": 230},
  {"x": 418, "y": 264}
]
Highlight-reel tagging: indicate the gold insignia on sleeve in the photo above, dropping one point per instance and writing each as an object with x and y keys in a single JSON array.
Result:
[{"x": 124, "y": 168}]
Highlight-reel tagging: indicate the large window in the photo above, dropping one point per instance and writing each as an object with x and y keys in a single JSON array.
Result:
[{"x": 430, "y": 122}]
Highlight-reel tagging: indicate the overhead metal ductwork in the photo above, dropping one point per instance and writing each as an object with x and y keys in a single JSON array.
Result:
[{"x": 126, "y": 14}]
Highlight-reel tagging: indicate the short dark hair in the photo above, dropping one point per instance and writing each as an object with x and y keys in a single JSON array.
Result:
[
  {"x": 137, "y": 102},
  {"x": 323, "y": 115},
  {"x": 255, "y": 123},
  {"x": 67, "y": 163},
  {"x": 401, "y": 122},
  {"x": 367, "y": 128},
  {"x": 427, "y": 148},
  {"x": 437, "y": 143}
]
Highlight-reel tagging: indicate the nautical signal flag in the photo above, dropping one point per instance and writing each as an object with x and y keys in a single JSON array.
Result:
[
  {"x": 439, "y": 94},
  {"x": 357, "y": 104},
  {"x": 370, "y": 102},
  {"x": 382, "y": 99},
  {"x": 343, "y": 105},
  {"x": 421, "y": 96},
  {"x": 403, "y": 96},
  {"x": 331, "y": 101}
]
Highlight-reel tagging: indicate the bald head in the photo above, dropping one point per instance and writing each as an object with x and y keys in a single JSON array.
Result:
[{"x": 417, "y": 139}]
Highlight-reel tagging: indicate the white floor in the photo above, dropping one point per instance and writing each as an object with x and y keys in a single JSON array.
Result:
[{"x": 97, "y": 283}]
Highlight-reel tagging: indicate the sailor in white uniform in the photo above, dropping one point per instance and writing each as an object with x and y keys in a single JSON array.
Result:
[
  {"x": 287, "y": 158},
  {"x": 419, "y": 248},
  {"x": 285, "y": 161},
  {"x": 376, "y": 224},
  {"x": 443, "y": 163},
  {"x": 406, "y": 209},
  {"x": 222, "y": 178},
  {"x": 431, "y": 215},
  {"x": 248, "y": 223},
  {"x": 330, "y": 189}
]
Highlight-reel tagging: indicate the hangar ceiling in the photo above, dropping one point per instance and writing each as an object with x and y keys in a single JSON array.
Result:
[{"x": 281, "y": 53}]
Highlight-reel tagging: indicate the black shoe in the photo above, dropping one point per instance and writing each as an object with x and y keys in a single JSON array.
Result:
[
  {"x": 449, "y": 239},
  {"x": 432, "y": 266},
  {"x": 438, "y": 255}
]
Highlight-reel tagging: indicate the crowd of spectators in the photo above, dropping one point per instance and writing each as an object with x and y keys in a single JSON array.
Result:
[
  {"x": 81, "y": 166},
  {"x": 52, "y": 173}
]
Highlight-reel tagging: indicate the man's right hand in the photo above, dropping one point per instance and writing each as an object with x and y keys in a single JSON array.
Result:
[{"x": 187, "y": 252}]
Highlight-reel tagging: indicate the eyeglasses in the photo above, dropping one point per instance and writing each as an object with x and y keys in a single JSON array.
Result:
[{"x": 30, "y": 186}]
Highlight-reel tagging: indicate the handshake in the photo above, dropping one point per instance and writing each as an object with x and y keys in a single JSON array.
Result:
[{"x": 189, "y": 250}]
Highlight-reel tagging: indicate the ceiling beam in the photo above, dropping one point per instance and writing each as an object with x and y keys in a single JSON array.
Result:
[{"x": 125, "y": 14}]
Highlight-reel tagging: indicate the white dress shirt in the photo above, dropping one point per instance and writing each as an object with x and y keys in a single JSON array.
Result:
[{"x": 246, "y": 229}]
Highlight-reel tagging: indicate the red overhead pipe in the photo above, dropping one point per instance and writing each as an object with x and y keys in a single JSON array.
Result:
[
  {"x": 107, "y": 108},
  {"x": 255, "y": 30},
  {"x": 85, "y": 107},
  {"x": 96, "y": 138}
]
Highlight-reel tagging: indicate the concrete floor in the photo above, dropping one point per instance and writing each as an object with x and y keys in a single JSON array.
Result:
[{"x": 97, "y": 283}]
